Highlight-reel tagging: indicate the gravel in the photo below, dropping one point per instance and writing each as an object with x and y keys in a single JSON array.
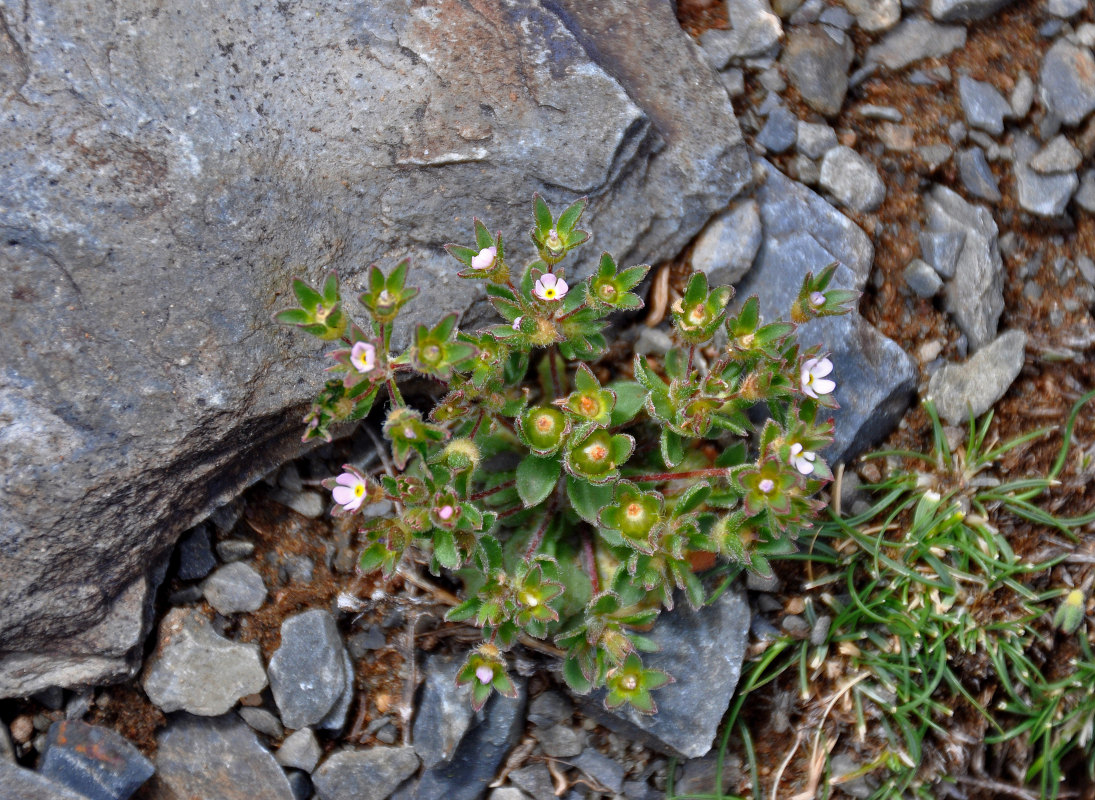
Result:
[
  {"x": 923, "y": 279},
  {"x": 779, "y": 132},
  {"x": 817, "y": 66},
  {"x": 196, "y": 559},
  {"x": 1056, "y": 157},
  {"x": 371, "y": 774},
  {"x": 875, "y": 15},
  {"x": 914, "y": 40},
  {"x": 941, "y": 250},
  {"x": 815, "y": 139},
  {"x": 1044, "y": 195},
  {"x": 1065, "y": 82}
]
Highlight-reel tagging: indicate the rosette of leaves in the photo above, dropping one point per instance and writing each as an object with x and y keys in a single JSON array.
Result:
[
  {"x": 387, "y": 295},
  {"x": 495, "y": 269},
  {"x": 436, "y": 351},
  {"x": 320, "y": 311},
  {"x": 554, "y": 238},
  {"x": 700, "y": 311},
  {"x": 611, "y": 290}
]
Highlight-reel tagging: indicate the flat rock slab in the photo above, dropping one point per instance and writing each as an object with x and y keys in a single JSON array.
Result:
[
  {"x": 196, "y": 669},
  {"x": 218, "y": 757},
  {"x": 95, "y": 761},
  {"x": 974, "y": 387},
  {"x": 25, "y": 784},
  {"x": 703, "y": 651},
  {"x": 444, "y": 712},
  {"x": 152, "y": 218}
]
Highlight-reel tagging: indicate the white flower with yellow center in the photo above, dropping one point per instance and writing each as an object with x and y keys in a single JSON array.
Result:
[
  {"x": 813, "y": 378},
  {"x": 550, "y": 287}
]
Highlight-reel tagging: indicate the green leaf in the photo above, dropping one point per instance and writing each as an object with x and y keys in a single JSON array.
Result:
[
  {"x": 588, "y": 499},
  {"x": 483, "y": 239},
  {"x": 541, "y": 212},
  {"x": 330, "y": 287},
  {"x": 676, "y": 364},
  {"x": 536, "y": 477},
  {"x": 570, "y": 217},
  {"x": 309, "y": 298},
  {"x": 572, "y": 674},
  {"x": 632, "y": 276},
  {"x": 293, "y": 316},
  {"x": 630, "y": 397},
  {"x": 692, "y": 499},
  {"x": 672, "y": 447},
  {"x": 444, "y": 548}
]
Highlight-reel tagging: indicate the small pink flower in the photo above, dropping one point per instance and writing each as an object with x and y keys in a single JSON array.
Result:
[
  {"x": 766, "y": 485},
  {"x": 484, "y": 674},
  {"x": 802, "y": 459},
  {"x": 350, "y": 492},
  {"x": 363, "y": 357},
  {"x": 445, "y": 512},
  {"x": 817, "y": 299},
  {"x": 550, "y": 287},
  {"x": 517, "y": 323},
  {"x": 813, "y": 377},
  {"x": 485, "y": 258}
]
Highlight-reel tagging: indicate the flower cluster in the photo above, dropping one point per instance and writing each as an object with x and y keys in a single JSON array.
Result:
[{"x": 612, "y": 493}]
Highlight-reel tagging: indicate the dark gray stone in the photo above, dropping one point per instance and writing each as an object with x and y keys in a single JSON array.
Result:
[
  {"x": 817, "y": 66},
  {"x": 851, "y": 179},
  {"x": 703, "y": 651},
  {"x": 307, "y": 671},
  {"x": 155, "y": 222},
  {"x": 299, "y": 569},
  {"x": 234, "y": 588},
  {"x": 508, "y": 793},
  {"x": 300, "y": 784},
  {"x": 231, "y": 550},
  {"x": 726, "y": 248},
  {"x": 263, "y": 721},
  {"x": 335, "y": 720},
  {"x": 195, "y": 669},
  {"x": 977, "y": 175},
  {"x": 300, "y": 750},
  {"x": 1085, "y": 195},
  {"x": 1022, "y": 96},
  {"x": 803, "y": 233},
  {"x": 444, "y": 712},
  {"x": 1067, "y": 82},
  {"x": 951, "y": 10},
  {"x": 983, "y": 105},
  {"x": 23, "y": 784},
  {"x": 218, "y": 757},
  {"x": 959, "y": 389},
  {"x": 560, "y": 741},
  {"x": 779, "y": 132},
  {"x": 700, "y": 775},
  {"x": 975, "y": 296},
  {"x": 361, "y": 643},
  {"x": 941, "y": 250},
  {"x": 1056, "y": 157},
  {"x": 815, "y": 139},
  {"x": 94, "y": 761},
  {"x": 548, "y": 708},
  {"x": 483, "y": 749},
  {"x": 916, "y": 39},
  {"x": 7, "y": 749},
  {"x": 922, "y": 279},
  {"x": 1044, "y": 195},
  {"x": 605, "y": 771},
  {"x": 196, "y": 559},
  {"x": 534, "y": 780}
]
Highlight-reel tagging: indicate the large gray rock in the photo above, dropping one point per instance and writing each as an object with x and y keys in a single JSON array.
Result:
[
  {"x": 94, "y": 761},
  {"x": 803, "y": 233},
  {"x": 975, "y": 296},
  {"x": 951, "y": 10},
  {"x": 703, "y": 651},
  {"x": 167, "y": 172},
  {"x": 217, "y": 757},
  {"x": 196, "y": 669},
  {"x": 983, "y": 105},
  {"x": 27, "y": 785}
]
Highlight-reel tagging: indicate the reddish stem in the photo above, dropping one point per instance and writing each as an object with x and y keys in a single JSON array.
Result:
[
  {"x": 657, "y": 477},
  {"x": 590, "y": 561},
  {"x": 478, "y": 422},
  {"x": 691, "y": 356},
  {"x": 488, "y": 492},
  {"x": 539, "y": 535}
]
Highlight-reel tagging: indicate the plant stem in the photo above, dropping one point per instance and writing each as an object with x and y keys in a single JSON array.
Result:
[
  {"x": 590, "y": 561},
  {"x": 691, "y": 356},
  {"x": 478, "y": 422},
  {"x": 657, "y": 477},
  {"x": 488, "y": 492},
  {"x": 393, "y": 393},
  {"x": 538, "y": 537},
  {"x": 554, "y": 372}
]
